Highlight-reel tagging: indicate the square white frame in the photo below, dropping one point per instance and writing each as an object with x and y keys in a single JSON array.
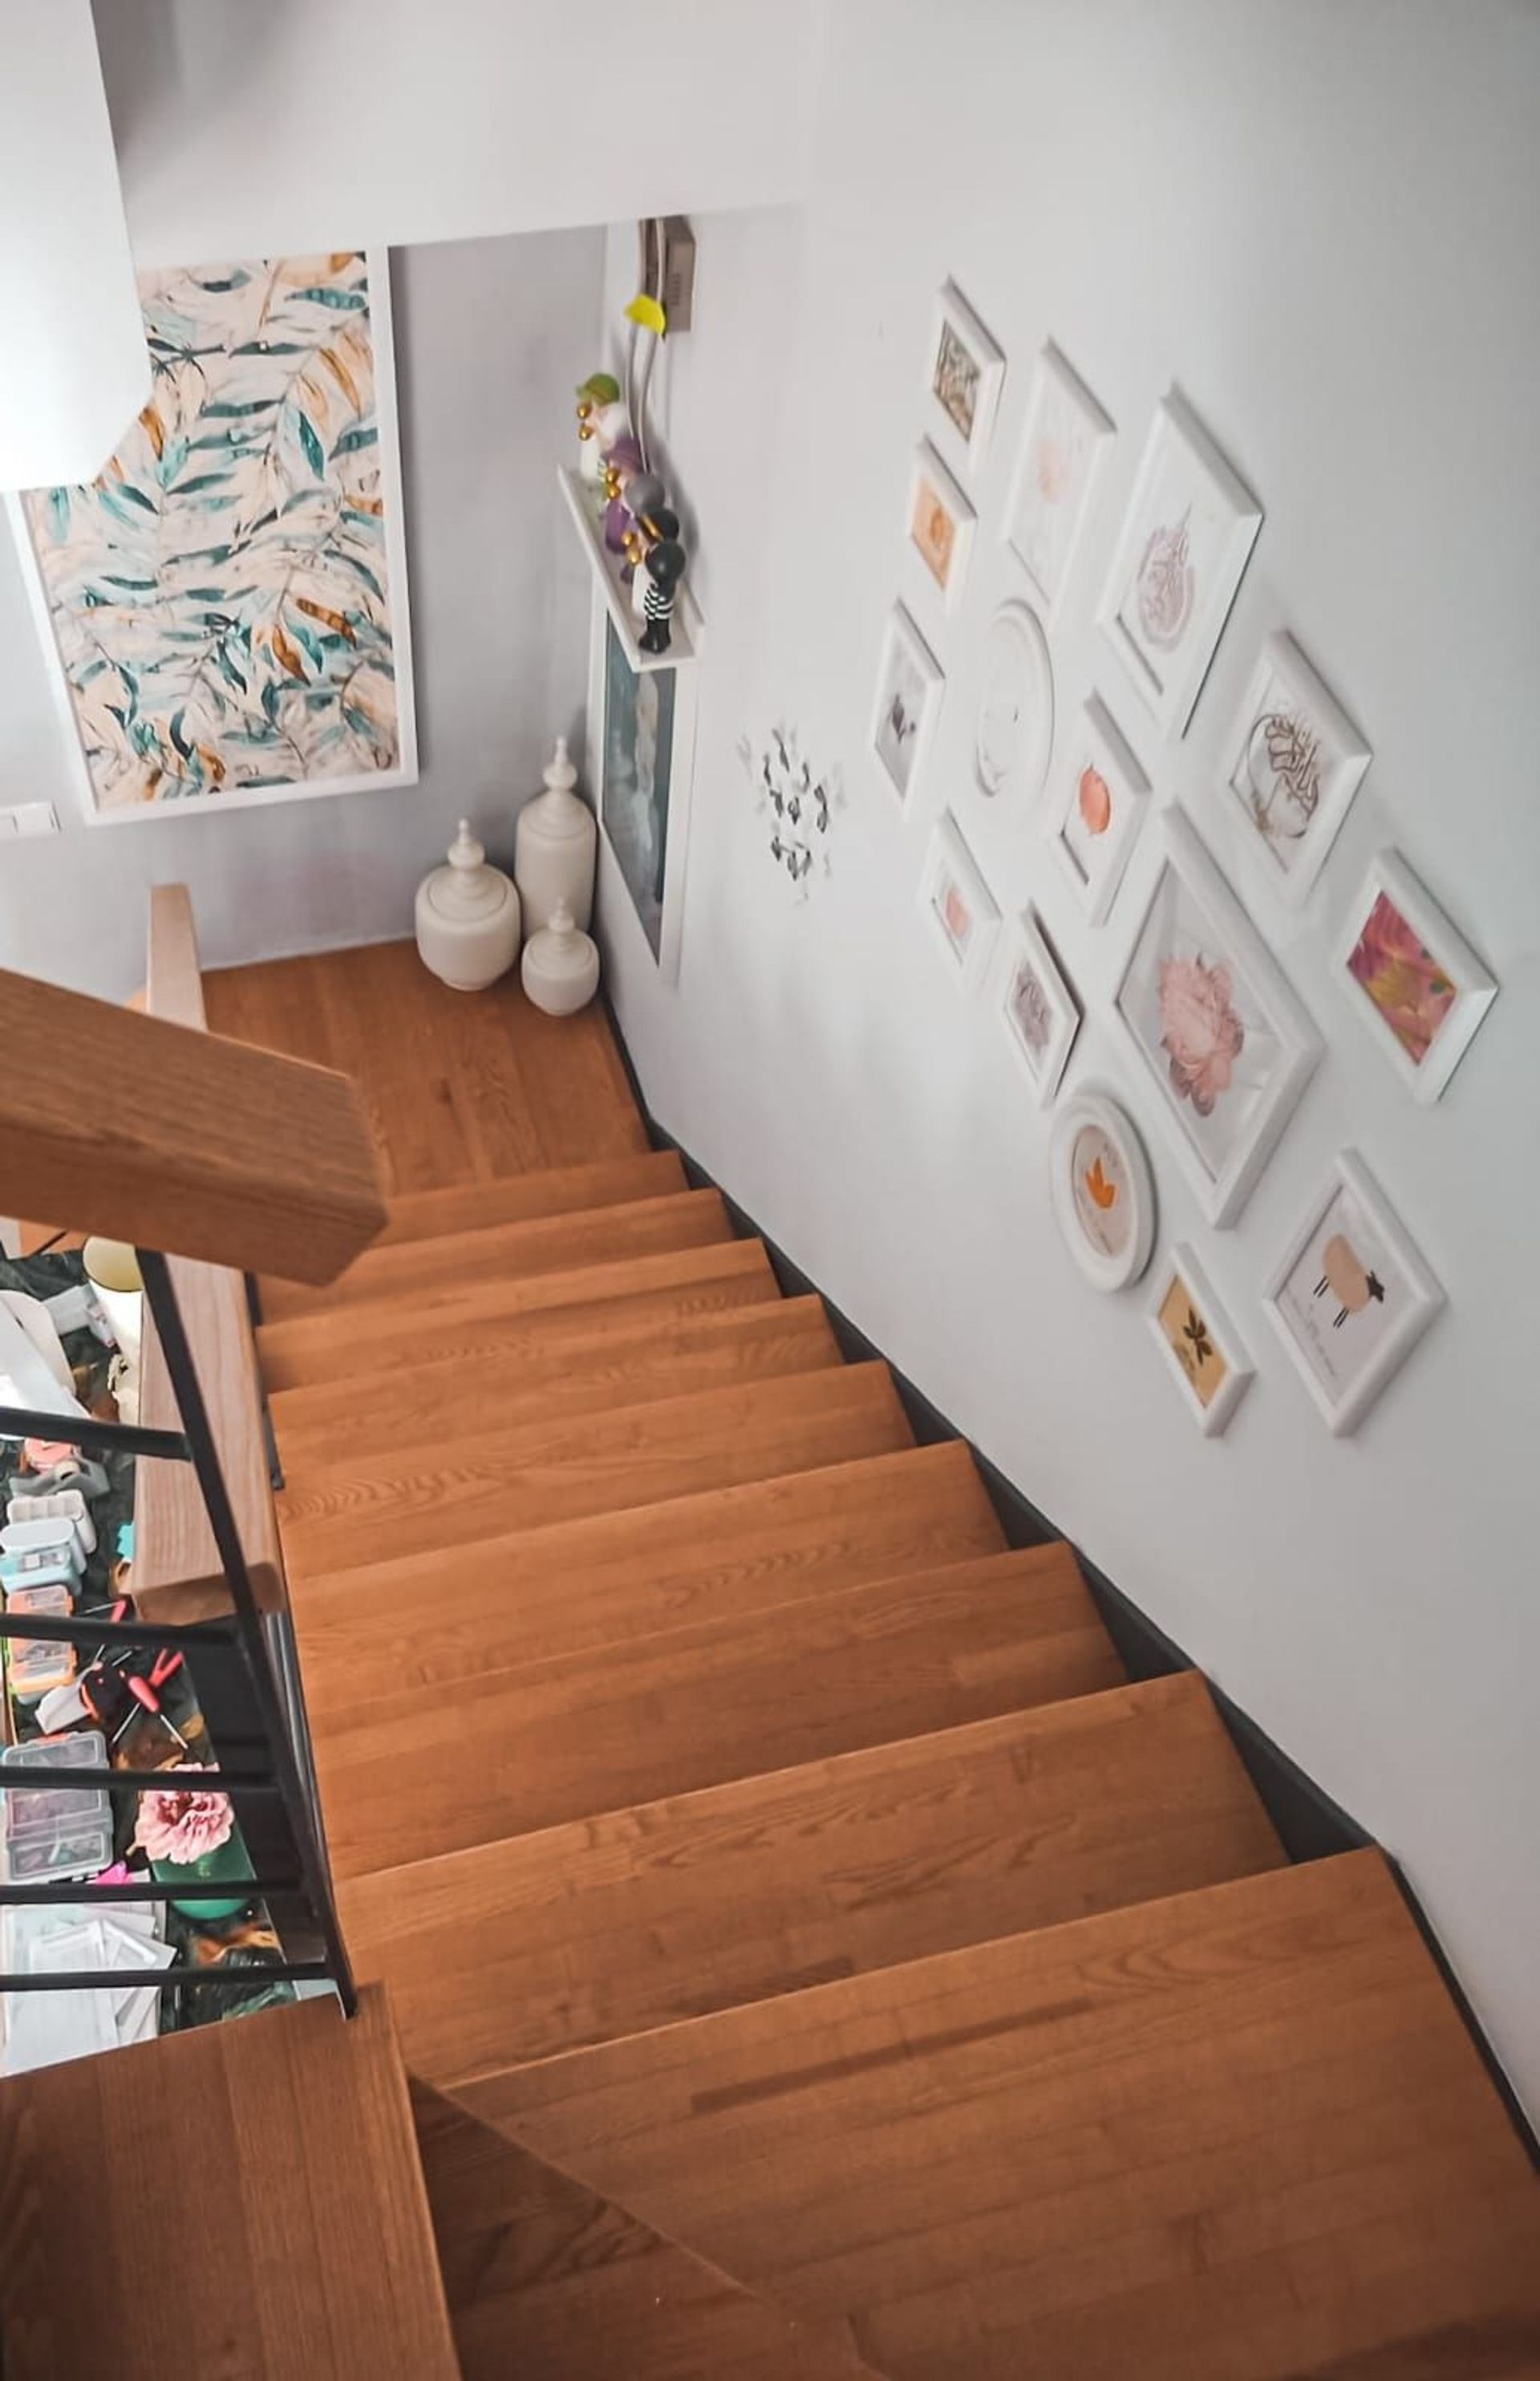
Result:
[
  {"x": 1180, "y": 1263},
  {"x": 949, "y": 855},
  {"x": 1055, "y": 372},
  {"x": 1352, "y": 1175},
  {"x": 1025, "y": 939},
  {"x": 1173, "y": 699},
  {"x": 616, "y": 893},
  {"x": 1223, "y": 1196},
  {"x": 215, "y": 805},
  {"x": 1116, "y": 761},
  {"x": 1388, "y": 873},
  {"x": 954, "y": 312},
  {"x": 900, "y": 631},
  {"x": 929, "y": 465},
  {"x": 1344, "y": 757}
]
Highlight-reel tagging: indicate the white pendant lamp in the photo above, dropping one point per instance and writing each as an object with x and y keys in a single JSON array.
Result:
[{"x": 74, "y": 367}]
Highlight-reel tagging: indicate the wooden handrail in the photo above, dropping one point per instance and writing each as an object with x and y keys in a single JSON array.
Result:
[{"x": 177, "y": 1570}]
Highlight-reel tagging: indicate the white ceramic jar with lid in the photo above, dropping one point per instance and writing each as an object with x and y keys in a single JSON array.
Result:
[
  {"x": 467, "y": 918},
  {"x": 560, "y": 967},
  {"x": 556, "y": 848}
]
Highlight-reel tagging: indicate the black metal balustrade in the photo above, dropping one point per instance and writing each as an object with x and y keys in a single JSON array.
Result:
[{"x": 231, "y": 1663}]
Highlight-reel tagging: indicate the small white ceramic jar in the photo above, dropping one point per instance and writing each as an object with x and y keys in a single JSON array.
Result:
[
  {"x": 467, "y": 918},
  {"x": 556, "y": 847},
  {"x": 560, "y": 967}
]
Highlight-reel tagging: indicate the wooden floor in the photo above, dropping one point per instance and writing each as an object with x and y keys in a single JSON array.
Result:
[{"x": 812, "y": 1954}]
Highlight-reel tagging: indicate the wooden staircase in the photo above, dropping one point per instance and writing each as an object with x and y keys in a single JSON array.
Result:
[{"x": 811, "y": 1954}]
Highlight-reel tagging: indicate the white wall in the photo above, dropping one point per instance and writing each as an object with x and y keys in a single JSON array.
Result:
[
  {"x": 288, "y": 126},
  {"x": 1320, "y": 221},
  {"x": 490, "y": 338}
]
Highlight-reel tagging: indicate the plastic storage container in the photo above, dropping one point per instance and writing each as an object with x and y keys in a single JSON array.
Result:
[
  {"x": 50, "y": 1834},
  {"x": 32, "y": 1664}
]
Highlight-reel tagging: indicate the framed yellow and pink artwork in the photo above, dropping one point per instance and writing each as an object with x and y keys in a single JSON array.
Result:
[{"x": 1415, "y": 981}]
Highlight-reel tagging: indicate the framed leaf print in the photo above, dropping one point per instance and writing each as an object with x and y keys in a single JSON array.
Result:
[
  {"x": 226, "y": 605},
  {"x": 1195, "y": 1337}
]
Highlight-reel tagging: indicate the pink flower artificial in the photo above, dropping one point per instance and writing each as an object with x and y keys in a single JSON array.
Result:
[
  {"x": 1201, "y": 1033},
  {"x": 182, "y": 1822}
]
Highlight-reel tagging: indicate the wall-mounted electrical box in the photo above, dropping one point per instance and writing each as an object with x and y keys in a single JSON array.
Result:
[
  {"x": 673, "y": 274},
  {"x": 28, "y": 818}
]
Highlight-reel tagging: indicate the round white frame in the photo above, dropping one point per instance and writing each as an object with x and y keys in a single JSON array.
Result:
[
  {"x": 1096, "y": 1108},
  {"x": 1017, "y": 626}
]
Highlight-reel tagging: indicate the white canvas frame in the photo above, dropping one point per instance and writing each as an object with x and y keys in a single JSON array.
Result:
[
  {"x": 1017, "y": 633},
  {"x": 1025, "y": 940},
  {"x": 1055, "y": 379},
  {"x": 1180, "y": 1263},
  {"x": 1171, "y": 693},
  {"x": 1339, "y": 760},
  {"x": 901, "y": 634},
  {"x": 953, "y": 312},
  {"x": 377, "y": 264},
  {"x": 1098, "y": 735},
  {"x": 615, "y": 893},
  {"x": 949, "y": 855},
  {"x": 1236, "y": 942},
  {"x": 1343, "y": 1414},
  {"x": 1426, "y": 1079},
  {"x": 1094, "y": 1106},
  {"x": 928, "y": 465}
]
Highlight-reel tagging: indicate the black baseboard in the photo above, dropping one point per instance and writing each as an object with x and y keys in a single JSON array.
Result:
[{"x": 1311, "y": 1826}]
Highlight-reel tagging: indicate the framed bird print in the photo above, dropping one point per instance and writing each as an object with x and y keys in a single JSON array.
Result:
[
  {"x": 1352, "y": 1297},
  {"x": 1202, "y": 1352}
]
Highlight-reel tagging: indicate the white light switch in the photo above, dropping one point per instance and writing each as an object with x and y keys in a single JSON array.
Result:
[{"x": 29, "y": 818}]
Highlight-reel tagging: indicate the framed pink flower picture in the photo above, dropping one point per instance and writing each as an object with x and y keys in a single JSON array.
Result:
[
  {"x": 1416, "y": 983},
  {"x": 1218, "y": 1027}
]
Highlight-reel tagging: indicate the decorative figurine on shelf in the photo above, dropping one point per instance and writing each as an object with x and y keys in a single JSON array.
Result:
[
  {"x": 641, "y": 493},
  {"x": 601, "y": 419},
  {"x": 622, "y": 470},
  {"x": 664, "y": 567},
  {"x": 651, "y": 528}
]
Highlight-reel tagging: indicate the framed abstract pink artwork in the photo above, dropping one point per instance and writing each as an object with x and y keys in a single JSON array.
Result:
[{"x": 1416, "y": 983}]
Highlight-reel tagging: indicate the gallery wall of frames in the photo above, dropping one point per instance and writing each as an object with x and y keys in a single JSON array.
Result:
[{"x": 1204, "y": 1010}]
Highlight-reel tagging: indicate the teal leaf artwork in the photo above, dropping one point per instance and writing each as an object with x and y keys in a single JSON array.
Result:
[{"x": 221, "y": 594}]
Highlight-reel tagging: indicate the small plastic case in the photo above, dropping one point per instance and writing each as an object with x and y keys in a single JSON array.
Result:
[
  {"x": 63, "y": 1505},
  {"x": 50, "y": 1834},
  {"x": 34, "y": 1664},
  {"x": 26, "y": 1537}
]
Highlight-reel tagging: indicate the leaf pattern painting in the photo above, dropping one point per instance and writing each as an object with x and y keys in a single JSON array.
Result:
[{"x": 221, "y": 595}]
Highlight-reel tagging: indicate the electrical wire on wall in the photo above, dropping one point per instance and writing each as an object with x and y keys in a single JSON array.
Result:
[{"x": 648, "y": 323}]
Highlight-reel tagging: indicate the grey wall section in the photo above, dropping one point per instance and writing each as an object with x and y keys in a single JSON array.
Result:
[
  {"x": 1320, "y": 221},
  {"x": 491, "y": 336}
]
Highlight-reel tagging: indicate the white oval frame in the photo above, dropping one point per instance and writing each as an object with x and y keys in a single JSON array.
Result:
[
  {"x": 1096, "y": 1106},
  {"x": 1015, "y": 622}
]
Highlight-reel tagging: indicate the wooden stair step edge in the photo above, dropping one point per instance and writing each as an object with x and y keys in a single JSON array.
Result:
[
  {"x": 773, "y": 1883},
  {"x": 724, "y": 1553},
  {"x": 549, "y": 2281},
  {"x": 1234, "y": 2135},
  {"x": 509, "y": 1752},
  {"x": 243, "y": 2197},
  {"x": 472, "y": 1321},
  {"x": 347, "y": 1516},
  {"x": 515, "y": 1198},
  {"x": 416, "y": 1404},
  {"x": 425, "y": 1269}
]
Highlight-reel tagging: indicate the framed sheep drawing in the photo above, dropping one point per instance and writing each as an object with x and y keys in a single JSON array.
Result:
[{"x": 1352, "y": 1297}]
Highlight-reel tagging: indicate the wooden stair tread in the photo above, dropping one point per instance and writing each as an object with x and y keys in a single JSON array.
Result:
[
  {"x": 549, "y": 2281},
  {"x": 528, "y": 1378},
  {"x": 344, "y": 1517},
  {"x": 774, "y": 1883},
  {"x": 421, "y": 1621},
  {"x": 474, "y": 1321},
  {"x": 514, "y": 1749},
  {"x": 514, "y": 1197},
  {"x": 1237, "y": 2135},
  {"x": 245, "y": 2199},
  {"x": 424, "y": 1269}
]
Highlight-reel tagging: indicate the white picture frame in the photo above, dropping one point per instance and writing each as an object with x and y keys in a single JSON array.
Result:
[
  {"x": 1296, "y": 760},
  {"x": 964, "y": 375},
  {"x": 1187, "y": 537},
  {"x": 941, "y": 526},
  {"x": 910, "y": 684},
  {"x": 1199, "y": 1349},
  {"x": 963, "y": 914},
  {"x": 1065, "y": 438},
  {"x": 633, "y": 903},
  {"x": 1101, "y": 1189},
  {"x": 1415, "y": 981},
  {"x": 1353, "y": 1268},
  {"x": 396, "y": 597},
  {"x": 1013, "y": 727},
  {"x": 1039, "y": 1007},
  {"x": 1101, "y": 802},
  {"x": 1218, "y": 1030}
]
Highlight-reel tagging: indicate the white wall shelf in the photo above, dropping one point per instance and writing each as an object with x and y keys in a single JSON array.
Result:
[{"x": 587, "y": 511}]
